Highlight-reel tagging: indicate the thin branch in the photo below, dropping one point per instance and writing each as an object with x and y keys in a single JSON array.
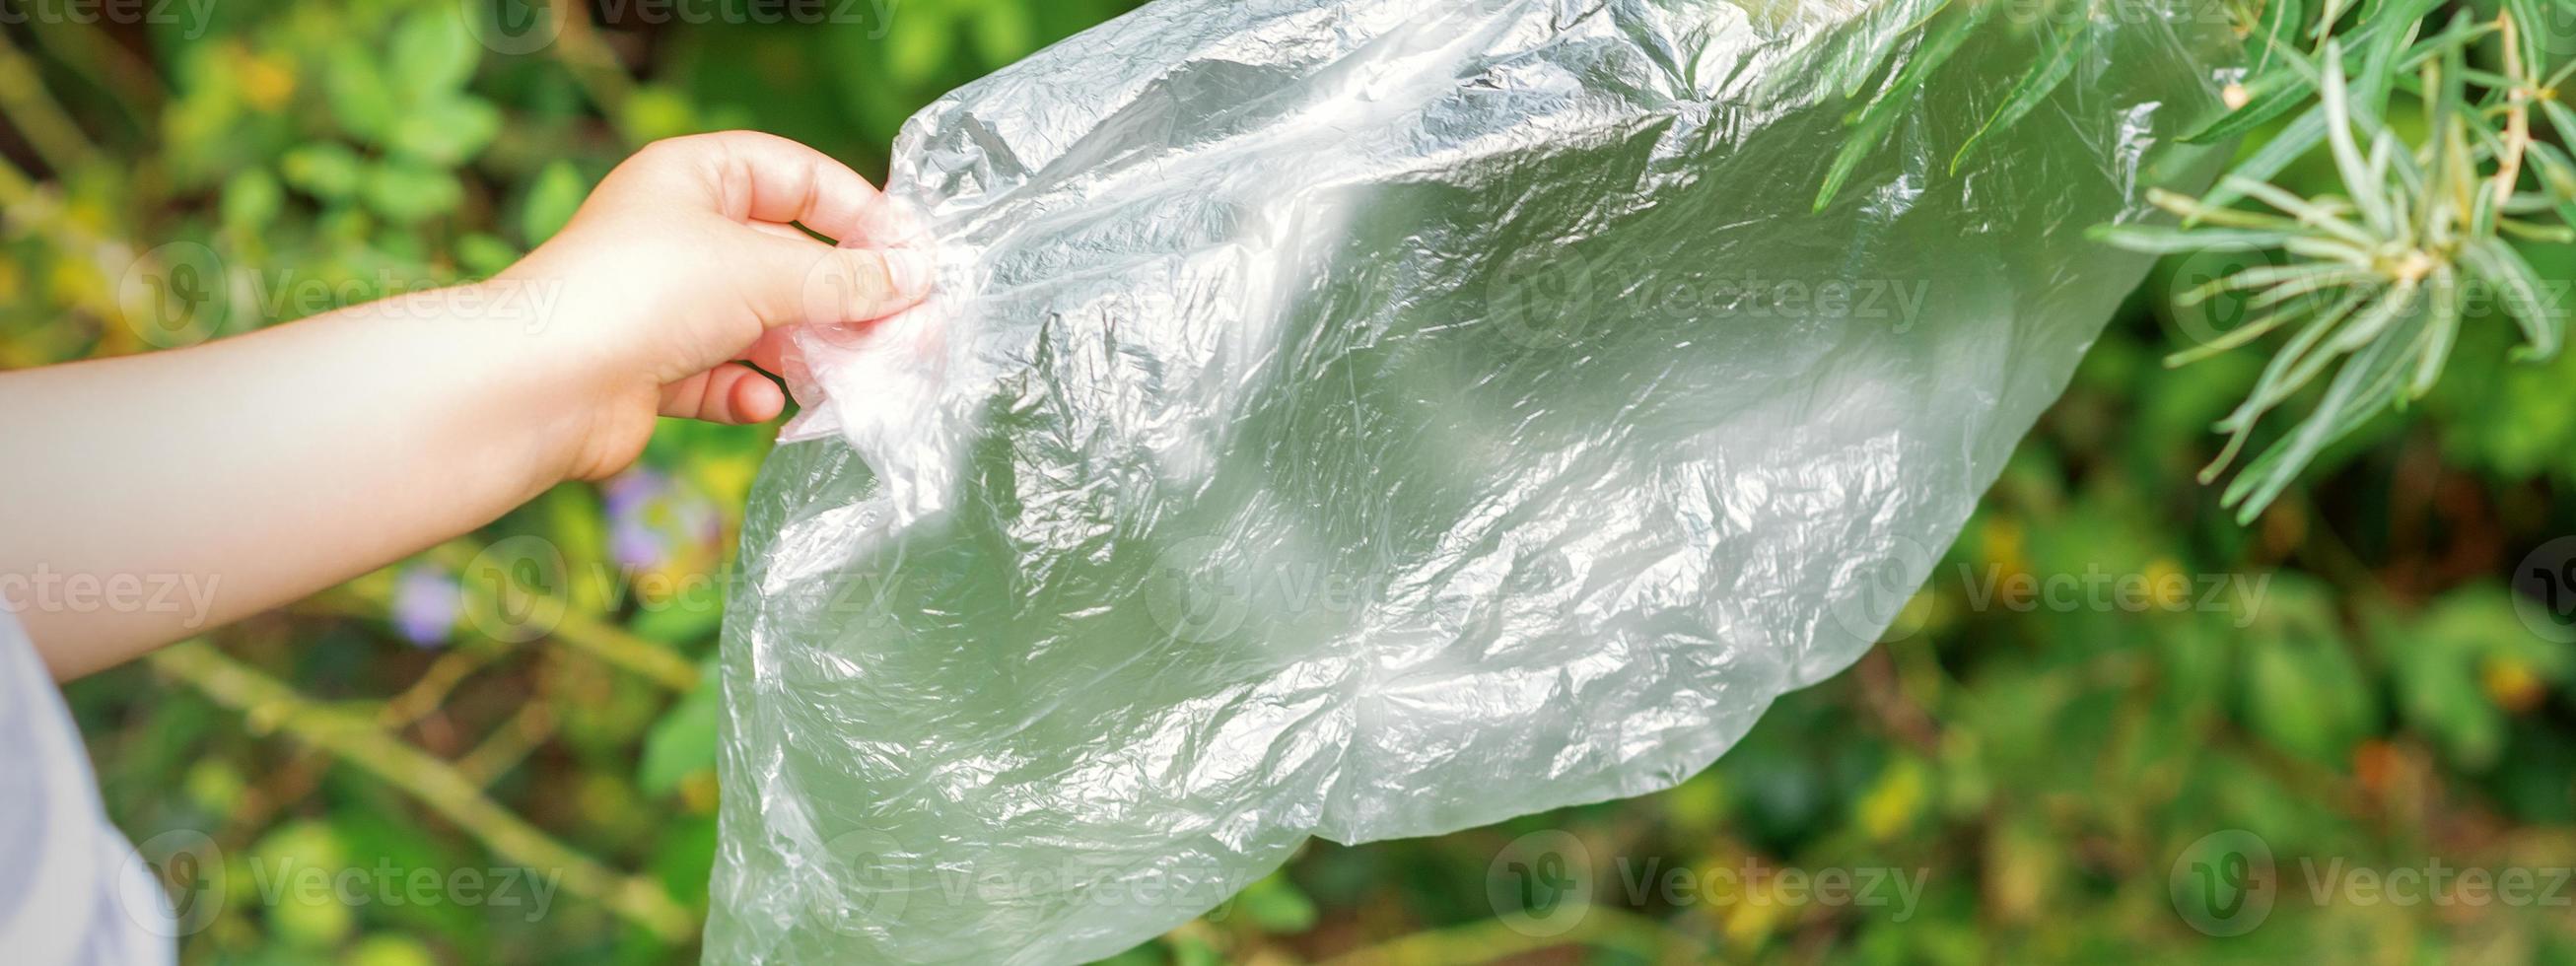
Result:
[
  {"x": 606, "y": 641},
  {"x": 591, "y": 63},
  {"x": 509, "y": 744},
  {"x": 2517, "y": 125},
  {"x": 270, "y": 705},
  {"x": 89, "y": 52},
  {"x": 434, "y": 685},
  {"x": 49, "y": 129},
  {"x": 1600, "y": 927}
]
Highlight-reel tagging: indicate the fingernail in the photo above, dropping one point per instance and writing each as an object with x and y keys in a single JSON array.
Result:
[{"x": 911, "y": 271}]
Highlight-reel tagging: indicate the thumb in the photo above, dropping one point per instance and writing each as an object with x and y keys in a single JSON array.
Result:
[{"x": 795, "y": 281}]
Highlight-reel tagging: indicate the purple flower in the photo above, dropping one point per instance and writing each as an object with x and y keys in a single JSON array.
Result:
[
  {"x": 631, "y": 497},
  {"x": 425, "y": 605},
  {"x": 652, "y": 519}
]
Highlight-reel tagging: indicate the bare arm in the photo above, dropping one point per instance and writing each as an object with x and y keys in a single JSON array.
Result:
[{"x": 143, "y": 498}]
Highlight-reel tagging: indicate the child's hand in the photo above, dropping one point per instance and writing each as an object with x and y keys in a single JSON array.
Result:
[
  {"x": 679, "y": 264},
  {"x": 261, "y": 468}
]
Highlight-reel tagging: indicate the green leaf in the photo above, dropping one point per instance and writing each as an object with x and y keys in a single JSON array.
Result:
[
  {"x": 918, "y": 45},
  {"x": 2290, "y": 81},
  {"x": 2165, "y": 240},
  {"x": 360, "y": 100},
  {"x": 685, "y": 857},
  {"x": 408, "y": 195},
  {"x": 2440, "y": 656},
  {"x": 2067, "y": 45},
  {"x": 2441, "y": 699},
  {"x": 2557, "y": 171},
  {"x": 2395, "y": 16},
  {"x": 2561, "y": 117},
  {"x": 2268, "y": 95},
  {"x": 2445, "y": 106},
  {"x": 1888, "y": 26},
  {"x": 1276, "y": 905},
  {"x": 2524, "y": 294},
  {"x": 654, "y": 112},
  {"x": 551, "y": 201},
  {"x": 2288, "y": 369},
  {"x": 1002, "y": 32},
  {"x": 2366, "y": 385},
  {"x": 252, "y": 199},
  {"x": 434, "y": 55},
  {"x": 2304, "y": 693},
  {"x": 446, "y": 132},
  {"x": 2531, "y": 40},
  {"x": 324, "y": 169},
  {"x": 2440, "y": 331},
  {"x": 577, "y": 525},
  {"x": 678, "y": 623},
  {"x": 2380, "y": 55},
  {"x": 2235, "y": 337},
  {"x": 683, "y": 741},
  {"x": 2279, "y": 282},
  {"x": 2278, "y": 27},
  {"x": 1870, "y": 127},
  {"x": 305, "y": 921},
  {"x": 483, "y": 255},
  {"x": 2324, "y": 215},
  {"x": 2365, "y": 189}
]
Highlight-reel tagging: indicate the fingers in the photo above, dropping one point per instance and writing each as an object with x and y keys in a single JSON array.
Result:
[
  {"x": 780, "y": 229},
  {"x": 731, "y": 393},
  {"x": 755, "y": 177},
  {"x": 770, "y": 353},
  {"x": 792, "y": 282}
]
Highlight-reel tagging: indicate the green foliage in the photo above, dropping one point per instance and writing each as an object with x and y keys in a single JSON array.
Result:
[
  {"x": 1946, "y": 30},
  {"x": 2304, "y": 690},
  {"x": 2350, "y": 677},
  {"x": 2377, "y": 277},
  {"x": 558, "y": 191},
  {"x": 683, "y": 741},
  {"x": 2372, "y": 280}
]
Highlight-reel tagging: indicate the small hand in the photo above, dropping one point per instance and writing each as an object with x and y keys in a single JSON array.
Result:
[{"x": 683, "y": 265}]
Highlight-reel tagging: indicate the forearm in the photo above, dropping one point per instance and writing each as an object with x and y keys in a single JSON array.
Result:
[{"x": 145, "y": 498}]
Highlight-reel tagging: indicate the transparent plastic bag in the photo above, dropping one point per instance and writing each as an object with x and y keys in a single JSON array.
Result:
[{"x": 1367, "y": 419}]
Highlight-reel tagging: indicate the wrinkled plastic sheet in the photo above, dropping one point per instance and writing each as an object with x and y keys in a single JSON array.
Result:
[{"x": 1368, "y": 419}]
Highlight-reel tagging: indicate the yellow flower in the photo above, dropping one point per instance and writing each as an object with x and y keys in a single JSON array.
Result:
[
  {"x": 1747, "y": 902},
  {"x": 2001, "y": 540},
  {"x": 2168, "y": 588},
  {"x": 1890, "y": 805},
  {"x": 2511, "y": 683},
  {"x": 698, "y": 792},
  {"x": 265, "y": 83}
]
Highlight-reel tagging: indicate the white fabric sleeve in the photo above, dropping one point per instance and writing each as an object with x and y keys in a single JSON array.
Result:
[{"x": 65, "y": 894}]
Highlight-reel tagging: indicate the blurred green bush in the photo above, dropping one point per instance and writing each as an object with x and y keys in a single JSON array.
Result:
[{"x": 2081, "y": 741}]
